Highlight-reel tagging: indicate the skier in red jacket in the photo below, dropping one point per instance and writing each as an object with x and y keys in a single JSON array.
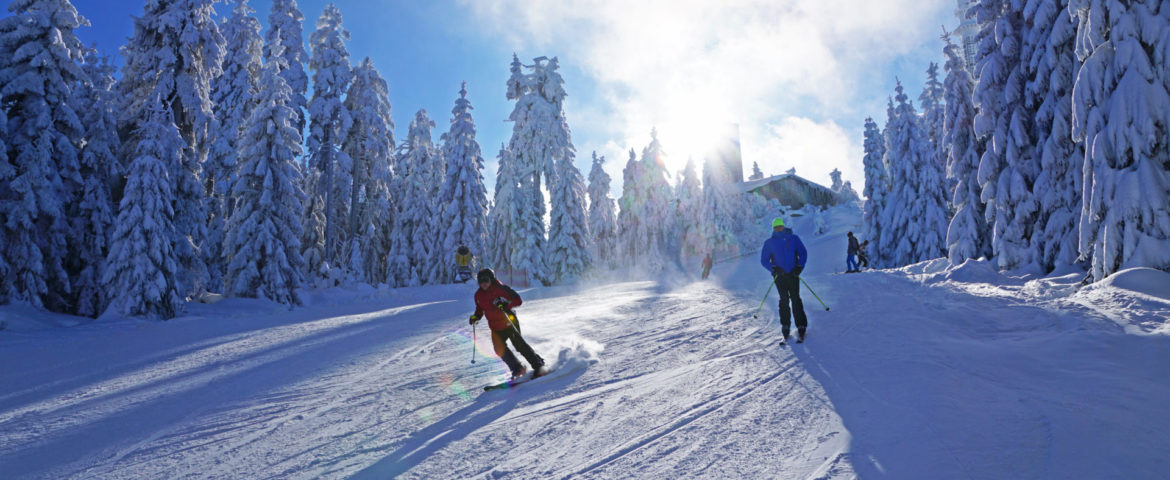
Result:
[{"x": 495, "y": 301}]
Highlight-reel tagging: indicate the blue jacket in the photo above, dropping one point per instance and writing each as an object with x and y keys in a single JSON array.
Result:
[{"x": 784, "y": 250}]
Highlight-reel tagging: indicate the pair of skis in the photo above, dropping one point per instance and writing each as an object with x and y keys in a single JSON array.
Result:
[{"x": 519, "y": 380}]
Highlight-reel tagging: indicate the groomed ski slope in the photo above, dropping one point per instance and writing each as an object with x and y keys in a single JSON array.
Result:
[{"x": 923, "y": 372}]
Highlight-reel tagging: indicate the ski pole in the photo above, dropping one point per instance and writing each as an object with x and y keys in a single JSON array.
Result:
[
  {"x": 810, "y": 290},
  {"x": 769, "y": 292},
  {"x": 476, "y": 324}
]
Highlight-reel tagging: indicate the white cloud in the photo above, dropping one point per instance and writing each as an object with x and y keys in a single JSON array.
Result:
[
  {"x": 689, "y": 66},
  {"x": 813, "y": 148}
]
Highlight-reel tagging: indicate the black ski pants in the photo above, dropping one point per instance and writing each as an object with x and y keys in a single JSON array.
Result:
[
  {"x": 512, "y": 333},
  {"x": 789, "y": 287}
]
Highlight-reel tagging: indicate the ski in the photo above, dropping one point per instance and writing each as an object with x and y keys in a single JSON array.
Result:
[{"x": 517, "y": 381}]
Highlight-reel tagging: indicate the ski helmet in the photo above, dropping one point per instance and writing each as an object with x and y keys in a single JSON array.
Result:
[
  {"x": 485, "y": 276},
  {"x": 463, "y": 250}
]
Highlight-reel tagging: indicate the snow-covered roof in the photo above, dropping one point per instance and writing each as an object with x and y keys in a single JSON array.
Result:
[{"x": 750, "y": 185}]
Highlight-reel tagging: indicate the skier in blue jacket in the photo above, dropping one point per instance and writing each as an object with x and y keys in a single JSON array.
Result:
[{"x": 784, "y": 257}]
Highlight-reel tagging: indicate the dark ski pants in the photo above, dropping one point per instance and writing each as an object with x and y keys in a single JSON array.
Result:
[
  {"x": 789, "y": 288},
  {"x": 512, "y": 333}
]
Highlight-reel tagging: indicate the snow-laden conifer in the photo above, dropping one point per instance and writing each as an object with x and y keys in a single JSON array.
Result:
[
  {"x": 757, "y": 174},
  {"x": 420, "y": 164},
  {"x": 94, "y": 211},
  {"x": 502, "y": 216},
  {"x": 286, "y": 34},
  {"x": 723, "y": 208},
  {"x": 690, "y": 204},
  {"x": 1009, "y": 166},
  {"x": 264, "y": 231},
  {"x": 370, "y": 145},
  {"x": 1121, "y": 112},
  {"x": 933, "y": 102},
  {"x": 141, "y": 277},
  {"x": 1048, "y": 92},
  {"x": 463, "y": 196},
  {"x": 968, "y": 235},
  {"x": 40, "y": 69},
  {"x": 916, "y": 207},
  {"x": 329, "y": 122},
  {"x": 174, "y": 53},
  {"x": 7, "y": 172},
  {"x": 631, "y": 233},
  {"x": 568, "y": 233},
  {"x": 877, "y": 187},
  {"x": 233, "y": 95},
  {"x": 602, "y": 215},
  {"x": 657, "y": 202}
]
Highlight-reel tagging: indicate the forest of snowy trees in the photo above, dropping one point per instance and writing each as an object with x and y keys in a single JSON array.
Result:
[
  {"x": 233, "y": 161},
  {"x": 1050, "y": 153}
]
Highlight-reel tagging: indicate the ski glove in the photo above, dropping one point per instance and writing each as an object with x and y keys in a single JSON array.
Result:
[
  {"x": 472, "y": 320},
  {"x": 501, "y": 304},
  {"x": 796, "y": 270},
  {"x": 777, "y": 272}
]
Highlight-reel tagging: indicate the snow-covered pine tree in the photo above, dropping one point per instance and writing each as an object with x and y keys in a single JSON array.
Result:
[
  {"x": 631, "y": 233},
  {"x": 835, "y": 178},
  {"x": 1048, "y": 92},
  {"x": 94, "y": 213},
  {"x": 329, "y": 122},
  {"x": 370, "y": 144},
  {"x": 1009, "y": 166},
  {"x": 656, "y": 208},
  {"x": 142, "y": 268},
  {"x": 7, "y": 172},
  {"x": 968, "y": 235},
  {"x": 421, "y": 170},
  {"x": 502, "y": 216},
  {"x": 877, "y": 188},
  {"x": 721, "y": 209},
  {"x": 690, "y": 203},
  {"x": 174, "y": 52},
  {"x": 1121, "y": 105},
  {"x": 264, "y": 231},
  {"x": 540, "y": 137},
  {"x": 286, "y": 34},
  {"x": 933, "y": 102},
  {"x": 917, "y": 206},
  {"x": 40, "y": 68},
  {"x": 568, "y": 233},
  {"x": 602, "y": 215},
  {"x": 232, "y": 95},
  {"x": 463, "y": 196},
  {"x": 757, "y": 174}
]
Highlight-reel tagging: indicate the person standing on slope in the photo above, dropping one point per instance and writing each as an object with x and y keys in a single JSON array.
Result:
[
  {"x": 851, "y": 255},
  {"x": 707, "y": 265},
  {"x": 784, "y": 257},
  {"x": 496, "y": 301}
]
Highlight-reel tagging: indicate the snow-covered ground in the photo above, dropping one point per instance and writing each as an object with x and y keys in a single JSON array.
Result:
[{"x": 922, "y": 372}]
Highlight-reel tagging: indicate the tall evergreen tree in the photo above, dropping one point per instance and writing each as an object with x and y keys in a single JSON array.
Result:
[
  {"x": 877, "y": 187},
  {"x": 40, "y": 67},
  {"x": 916, "y": 206},
  {"x": 233, "y": 95},
  {"x": 370, "y": 144},
  {"x": 1121, "y": 105},
  {"x": 286, "y": 35},
  {"x": 174, "y": 53},
  {"x": 142, "y": 267},
  {"x": 421, "y": 167},
  {"x": 602, "y": 215},
  {"x": 7, "y": 172},
  {"x": 568, "y": 233},
  {"x": 540, "y": 138},
  {"x": 1008, "y": 168},
  {"x": 502, "y": 216},
  {"x": 1048, "y": 93},
  {"x": 630, "y": 230},
  {"x": 93, "y": 214},
  {"x": 722, "y": 209},
  {"x": 329, "y": 122},
  {"x": 690, "y": 201},
  {"x": 933, "y": 103},
  {"x": 967, "y": 235},
  {"x": 464, "y": 219},
  {"x": 658, "y": 196},
  {"x": 264, "y": 231}
]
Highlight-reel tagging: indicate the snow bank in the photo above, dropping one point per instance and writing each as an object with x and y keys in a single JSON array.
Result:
[{"x": 1145, "y": 281}]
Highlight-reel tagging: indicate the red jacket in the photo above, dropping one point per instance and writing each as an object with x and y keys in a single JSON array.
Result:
[{"x": 485, "y": 304}]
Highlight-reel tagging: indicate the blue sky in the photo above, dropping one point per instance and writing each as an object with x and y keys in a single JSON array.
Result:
[{"x": 798, "y": 76}]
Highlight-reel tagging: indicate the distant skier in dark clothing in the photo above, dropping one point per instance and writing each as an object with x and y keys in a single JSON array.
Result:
[
  {"x": 851, "y": 255},
  {"x": 707, "y": 266},
  {"x": 496, "y": 301},
  {"x": 784, "y": 257},
  {"x": 862, "y": 257}
]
